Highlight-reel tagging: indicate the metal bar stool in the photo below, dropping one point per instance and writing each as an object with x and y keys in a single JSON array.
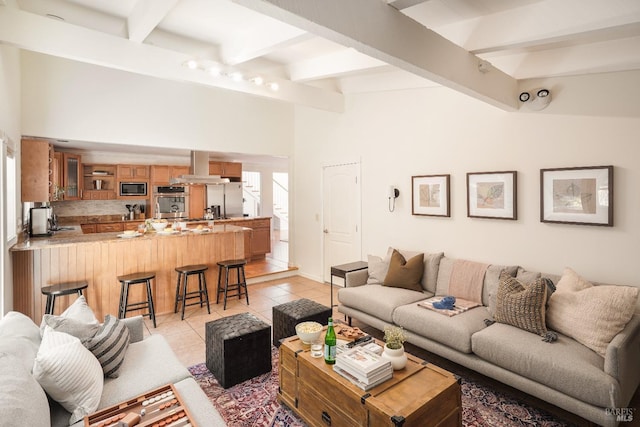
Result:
[
  {"x": 124, "y": 306},
  {"x": 59, "y": 290},
  {"x": 182, "y": 295},
  {"x": 238, "y": 265}
]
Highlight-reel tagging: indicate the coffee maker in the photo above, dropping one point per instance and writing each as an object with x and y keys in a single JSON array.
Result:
[{"x": 40, "y": 221}]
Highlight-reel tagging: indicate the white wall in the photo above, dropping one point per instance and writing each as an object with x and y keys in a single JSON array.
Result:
[
  {"x": 437, "y": 131},
  {"x": 9, "y": 130},
  {"x": 70, "y": 100}
]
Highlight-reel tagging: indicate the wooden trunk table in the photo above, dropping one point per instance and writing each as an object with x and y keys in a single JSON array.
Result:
[{"x": 420, "y": 394}]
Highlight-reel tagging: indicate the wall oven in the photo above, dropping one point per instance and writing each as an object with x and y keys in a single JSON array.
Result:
[{"x": 171, "y": 202}]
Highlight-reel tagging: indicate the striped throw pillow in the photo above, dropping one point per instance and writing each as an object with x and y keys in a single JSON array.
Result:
[{"x": 109, "y": 345}]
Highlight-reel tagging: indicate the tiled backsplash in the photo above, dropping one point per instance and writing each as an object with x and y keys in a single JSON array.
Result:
[{"x": 93, "y": 207}]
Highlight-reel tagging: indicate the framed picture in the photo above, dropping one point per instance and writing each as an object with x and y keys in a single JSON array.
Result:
[
  {"x": 430, "y": 195},
  {"x": 582, "y": 195},
  {"x": 491, "y": 195}
]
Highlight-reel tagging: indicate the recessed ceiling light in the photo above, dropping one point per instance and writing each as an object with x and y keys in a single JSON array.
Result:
[
  {"x": 258, "y": 81},
  {"x": 191, "y": 64},
  {"x": 236, "y": 77},
  {"x": 274, "y": 86}
]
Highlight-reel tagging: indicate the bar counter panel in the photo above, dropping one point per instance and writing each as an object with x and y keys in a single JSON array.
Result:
[{"x": 99, "y": 260}]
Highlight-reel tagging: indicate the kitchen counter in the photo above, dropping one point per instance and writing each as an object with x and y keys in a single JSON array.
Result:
[{"x": 99, "y": 258}]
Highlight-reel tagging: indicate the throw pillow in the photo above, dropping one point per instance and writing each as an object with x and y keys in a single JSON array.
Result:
[
  {"x": 22, "y": 400},
  {"x": 69, "y": 373},
  {"x": 109, "y": 345},
  {"x": 81, "y": 311},
  {"x": 403, "y": 273},
  {"x": 378, "y": 267},
  {"x": 522, "y": 304},
  {"x": 592, "y": 315},
  {"x": 69, "y": 326},
  {"x": 20, "y": 337}
]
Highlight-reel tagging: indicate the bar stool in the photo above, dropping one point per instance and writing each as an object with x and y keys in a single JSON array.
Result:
[
  {"x": 227, "y": 266},
  {"x": 124, "y": 306},
  {"x": 59, "y": 290},
  {"x": 182, "y": 295}
]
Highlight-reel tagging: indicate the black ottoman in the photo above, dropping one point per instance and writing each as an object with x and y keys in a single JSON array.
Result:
[
  {"x": 286, "y": 316},
  {"x": 238, "y": 348}
]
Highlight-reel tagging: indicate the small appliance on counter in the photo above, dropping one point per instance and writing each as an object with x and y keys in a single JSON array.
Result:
[{"x": 39, "y": 223}]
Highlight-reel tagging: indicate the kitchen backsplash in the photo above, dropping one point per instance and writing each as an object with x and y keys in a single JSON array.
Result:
[{"x": 93, "y": 207}]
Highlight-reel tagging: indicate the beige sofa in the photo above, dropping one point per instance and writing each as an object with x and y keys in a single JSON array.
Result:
[
  {"x": 565, "y": 373},
  {"x": 149, "y": 363}
]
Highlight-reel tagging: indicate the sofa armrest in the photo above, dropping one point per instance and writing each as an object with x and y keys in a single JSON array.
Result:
[
  {"x": 621, "y": 359},
  {"x": 356, "y": 278},
  {"x": 136, "y": 328}
]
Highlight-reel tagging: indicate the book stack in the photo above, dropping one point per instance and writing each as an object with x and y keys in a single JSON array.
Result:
[{"x": 363, "y": 368}]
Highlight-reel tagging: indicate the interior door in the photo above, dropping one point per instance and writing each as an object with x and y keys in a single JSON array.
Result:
[{"x": 341, "y": 216}]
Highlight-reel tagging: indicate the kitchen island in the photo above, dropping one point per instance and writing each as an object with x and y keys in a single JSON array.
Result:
[{"x": 100, "y": 258}]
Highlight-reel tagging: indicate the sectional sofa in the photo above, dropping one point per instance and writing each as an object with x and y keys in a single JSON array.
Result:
[
  {"x": 149, "y": 363},
  {"x": 593, "y": 378}
]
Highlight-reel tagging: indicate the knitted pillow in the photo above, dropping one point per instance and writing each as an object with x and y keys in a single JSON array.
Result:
[
  {"x": 403, "y": 273},
  {"x": 522, "y": 304}
]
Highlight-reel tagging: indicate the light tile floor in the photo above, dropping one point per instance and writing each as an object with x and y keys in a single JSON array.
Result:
[{"x": 186, "y": 337}]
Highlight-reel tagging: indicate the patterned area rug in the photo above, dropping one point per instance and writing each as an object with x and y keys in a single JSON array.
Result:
[{"x": 254, "y": 403}]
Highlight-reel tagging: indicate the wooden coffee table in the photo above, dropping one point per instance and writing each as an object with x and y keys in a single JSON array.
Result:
[{"x": 421, "y": 394}]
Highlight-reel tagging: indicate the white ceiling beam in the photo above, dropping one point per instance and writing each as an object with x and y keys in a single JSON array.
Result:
[
  {"x": 145, "y": 16},
  {"x": 339, "y": 63},
  {"x": 405, "y": 4},
  {"x": 39, "y": 34},
  {"x": 382, "y": 32},
  {"x": 260, "y": 44}
]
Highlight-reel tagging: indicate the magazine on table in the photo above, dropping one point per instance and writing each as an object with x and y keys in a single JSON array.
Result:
[
  {"x": 354, "y": 380},
  {"x": 373, "y": 377}
]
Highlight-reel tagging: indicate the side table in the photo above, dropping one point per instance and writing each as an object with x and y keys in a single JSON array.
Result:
[{"x": 342, "y": 270}]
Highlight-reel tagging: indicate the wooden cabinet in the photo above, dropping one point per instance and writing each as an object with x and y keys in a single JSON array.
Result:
[
  {"x": 259, "y": 243},
  {"x": 99, "y": 182},
  {"x": 226, "y": 169},
  {"x": 109, "y": 227},
  {"x": 71, "y": 176},
  {"x": 133, "y": 172},
  {"x": 197, "y": 200},
  {"x": 162, "y": 174},
  {"x": 56, "y": 190},
  {"x": 131, "y": 225},
  {"x": 35, "y": 170},
  {"x": 88, "y": 228}
]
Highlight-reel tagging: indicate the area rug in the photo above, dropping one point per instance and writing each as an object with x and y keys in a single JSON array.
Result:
[{"x": 254, "y": 403}]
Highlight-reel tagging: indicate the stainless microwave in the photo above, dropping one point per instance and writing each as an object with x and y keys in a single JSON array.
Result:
[{"x": 133, "y": 188}]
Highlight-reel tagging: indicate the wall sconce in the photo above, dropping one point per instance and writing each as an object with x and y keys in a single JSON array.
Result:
[
  {"x": 393, "y": 195},
  {"x": 538, "y": 102}
]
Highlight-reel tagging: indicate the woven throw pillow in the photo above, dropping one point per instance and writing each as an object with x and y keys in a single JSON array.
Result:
[
  {"x": 69, "y": 373},
  {"x": 109, "y": 345},
  {"x": 592, "y": 315},
  {"x": 522, "y": 304},
  {"x": 403, "y": 273}
]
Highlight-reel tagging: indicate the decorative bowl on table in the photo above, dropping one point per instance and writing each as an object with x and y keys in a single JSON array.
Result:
[
  {"x": 159, "y": 226},
  {"x": 129, "y": 232},
  {"x": 308, "y": 332}
]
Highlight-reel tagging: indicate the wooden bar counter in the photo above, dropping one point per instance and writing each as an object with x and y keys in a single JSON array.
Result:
[{"x": 100, "y": 258}]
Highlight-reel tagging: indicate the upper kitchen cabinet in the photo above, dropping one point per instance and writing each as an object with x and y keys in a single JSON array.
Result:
[
  {"x": 36, "y": 173},
  {"x": 162, "y": 174},
  {"x": 71, "y": 176},
  {"x": 133, "y": 172},
  {"x": 231, "y": 170},
  {"x": 99, "y": 182}
]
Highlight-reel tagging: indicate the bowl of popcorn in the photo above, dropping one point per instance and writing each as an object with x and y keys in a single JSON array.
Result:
[{"x": 308, "y": 332}]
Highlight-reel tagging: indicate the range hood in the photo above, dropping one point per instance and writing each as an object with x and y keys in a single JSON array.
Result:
[{"x": 199, "y": 172}]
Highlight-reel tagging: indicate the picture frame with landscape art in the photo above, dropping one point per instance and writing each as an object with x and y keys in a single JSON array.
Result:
[
  {"x": 577, "y": 195},
  {"x": 430, "y": 195},
  {"x": 492, "y": 195}
]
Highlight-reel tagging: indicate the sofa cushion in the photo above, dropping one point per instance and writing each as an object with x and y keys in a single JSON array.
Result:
[
  {"x": 454, "y": 331},
  {"x": 592, "y": 315},
  {"x": 377, "y": 300},
  {"x": 69, "y": 373},
  {"x": 20, "y": 337},
  {"x": 149, "y": 364},
  {"x": 22, "y": 400},
  {"x": 566, "y": 366},
  {"x": 68, "y": 325},
  {"x": 404, "y": 273},
  {"x": 378, "y": 267},
  {"x": 81, "y": 311},
  {"x": 522, "y": 304},
  {"x": 109, "y": 345}
]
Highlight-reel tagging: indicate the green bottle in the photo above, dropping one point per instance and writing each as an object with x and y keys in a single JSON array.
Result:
[{"x": 330, "y": 344}]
